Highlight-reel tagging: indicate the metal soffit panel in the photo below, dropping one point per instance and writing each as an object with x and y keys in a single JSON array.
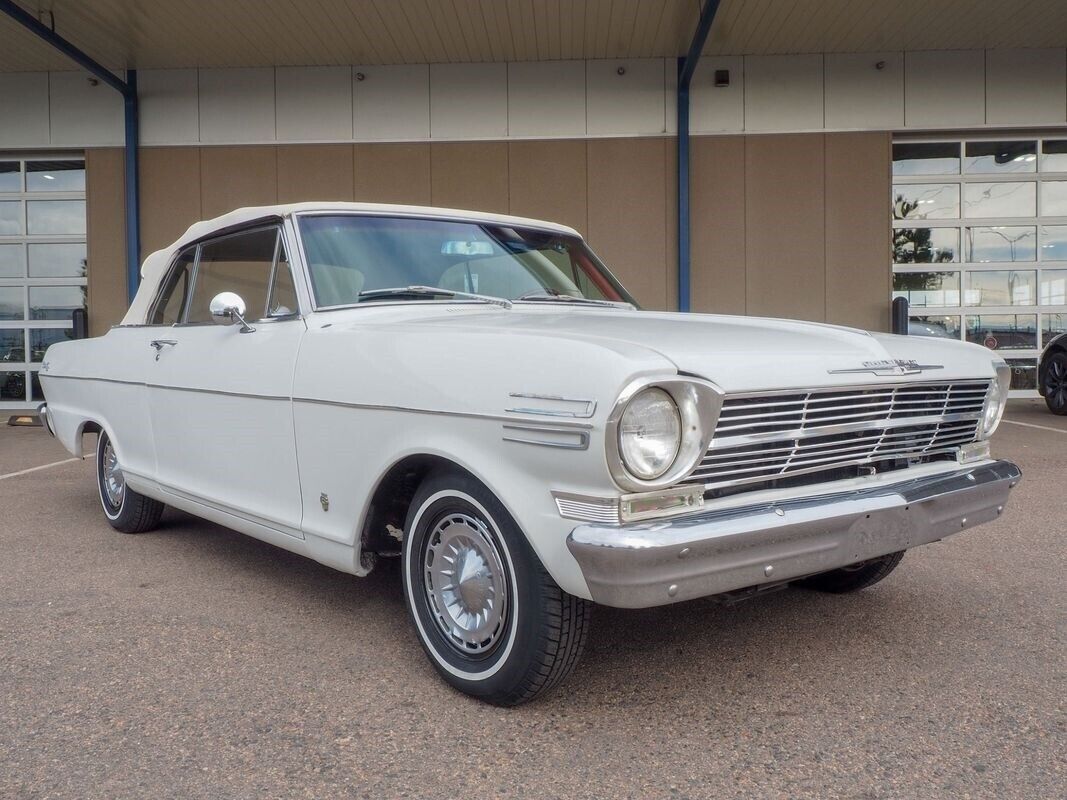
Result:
[{"x": 205, "y": 33}]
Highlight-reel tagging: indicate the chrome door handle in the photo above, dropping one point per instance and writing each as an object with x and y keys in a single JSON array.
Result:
[{"x": 159, "y": 344}]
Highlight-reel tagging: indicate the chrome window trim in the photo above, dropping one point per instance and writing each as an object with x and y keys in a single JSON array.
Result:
[
  {"x": 154, "y": 307},
  {"x": 699, "y": 402}
]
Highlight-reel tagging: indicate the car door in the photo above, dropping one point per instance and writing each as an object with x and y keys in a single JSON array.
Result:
[{"x": 221, "y": 395}]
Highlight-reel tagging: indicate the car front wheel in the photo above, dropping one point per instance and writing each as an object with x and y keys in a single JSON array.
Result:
[
  {"x": 1056, "y": 384},
  {"x": 492, "y": 621},
  {"x": 127, "y": 511}
]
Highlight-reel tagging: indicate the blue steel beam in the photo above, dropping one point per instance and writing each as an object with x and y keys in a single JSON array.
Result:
[
  {"x": 128, "y": 89},
  {"x": 686, "y": 67}
]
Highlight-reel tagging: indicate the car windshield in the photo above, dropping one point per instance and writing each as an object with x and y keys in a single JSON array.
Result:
[{"x": 353, "y": 259}]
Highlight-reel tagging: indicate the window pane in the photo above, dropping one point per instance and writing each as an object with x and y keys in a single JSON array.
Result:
[
  {"x": 41, "y": 338},
  {"x": 925, "y": 245},
  {"x": 10, "y": 177},
  {"x": 55, "y": 302},
  {"x": 170, "y": 306},
  {"x": 36, "y": 392},
  {"x": 55, "y": 216},
  {"x": 1054, "y": 325},
  {"x": 1000, "y": 200},
  {"x": 10, "y": 218},
  {"x": 926, "y": 158},
  {"x": 12, "y": 345},
  {"x": 55, "y": 176},
  {"x": 12, "y": 385},
  {"x": 1023, "y": 373},
  {"x": 939, "y": 327},
  {"x": 57, "y": 260},
  {"x": 1054, "y": 199},
  {"x": 283, "y": 296},
  {"x": 1003, "y": 331},
  {"x": 1001, "y": 243},
  {"x": 1054, "y": 287},
  {"x": 1001, "y": 288},
  {"x": 240, "y": 264},
  {"x": 926, "y": 201},
  {"x": 11, "y": 303},
  {"x": 928, "y": 288},
  {"x": 1054, "y": 243},
  {"x": 11, "y": 258},
  {"x": 1000, "y": 157},
  {"x": 1055, "y": 156}
]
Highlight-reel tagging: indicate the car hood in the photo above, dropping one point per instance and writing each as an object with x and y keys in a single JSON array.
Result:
[{"x": 745, "y": 353}]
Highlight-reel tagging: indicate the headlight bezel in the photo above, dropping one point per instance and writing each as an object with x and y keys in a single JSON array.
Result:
[
  {"x": 698, "y": 403},
  {"x": 996, "y": 400}
]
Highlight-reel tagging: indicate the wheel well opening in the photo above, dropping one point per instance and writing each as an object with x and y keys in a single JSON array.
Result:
[{"x": 383, "y": 529}]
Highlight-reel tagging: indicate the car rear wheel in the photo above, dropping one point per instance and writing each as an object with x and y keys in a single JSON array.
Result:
[
  {"x": 1056, "y": 384},
  {"x": 127, "y": 511},
  {"x": 854, "y": 577},
  {"x": 492, "y": 621}
]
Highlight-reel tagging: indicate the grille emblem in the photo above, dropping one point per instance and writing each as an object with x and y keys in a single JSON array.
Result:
[{"x": 897, "y": 366}]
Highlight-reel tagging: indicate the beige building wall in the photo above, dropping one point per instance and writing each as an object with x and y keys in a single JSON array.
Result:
[{"x": 792, "y": 225}]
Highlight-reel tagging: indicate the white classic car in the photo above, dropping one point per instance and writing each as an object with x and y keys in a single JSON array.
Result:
[{"x": 477, "y": 395}]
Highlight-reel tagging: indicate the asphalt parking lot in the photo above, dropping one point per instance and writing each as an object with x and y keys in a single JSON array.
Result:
[{"x": 195, "y": 662}]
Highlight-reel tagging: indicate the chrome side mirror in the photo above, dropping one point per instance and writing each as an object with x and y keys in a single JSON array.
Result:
[{"x": 227, "y": 308}]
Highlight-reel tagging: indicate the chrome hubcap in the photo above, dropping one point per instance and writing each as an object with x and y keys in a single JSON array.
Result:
[
  {"x": 114, "y": 480},
  {"x": 465, "y": 583}
]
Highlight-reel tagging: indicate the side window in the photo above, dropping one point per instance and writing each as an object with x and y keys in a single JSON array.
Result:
[
  {"x": 171, "y": 302},
  {"x": 241, "y": 263},
  {"x": 282, "y": 300}
]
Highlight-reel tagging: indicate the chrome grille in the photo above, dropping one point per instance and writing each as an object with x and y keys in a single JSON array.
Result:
[{"x": 765, "y": 437}]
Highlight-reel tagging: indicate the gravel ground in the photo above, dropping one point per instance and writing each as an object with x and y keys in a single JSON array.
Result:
[{"x": 195, "y": 662}]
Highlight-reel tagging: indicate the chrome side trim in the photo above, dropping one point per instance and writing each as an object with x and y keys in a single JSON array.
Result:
[
  {"x": 586, "y": 508},
  {"x": 222, "y": 392},
  {"x": 435, "y": 412},
  {"x": 52, "y": 375},
  {"x": 541, "y": 435},
  {"x": 587, "y": 407}
]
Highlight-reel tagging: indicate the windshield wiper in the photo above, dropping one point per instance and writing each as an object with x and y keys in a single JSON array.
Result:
[
  {"x": 434, "y": 291},
  {"x": 554, "y": 296}
]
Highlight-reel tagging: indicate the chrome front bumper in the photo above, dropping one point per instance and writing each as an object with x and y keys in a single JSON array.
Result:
[{"x": 655, "y": 563}]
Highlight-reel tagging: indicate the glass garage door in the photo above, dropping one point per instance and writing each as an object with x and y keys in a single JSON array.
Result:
[
  {"x": 42, "y": 266},
  {"x": 980, "y": 243}
]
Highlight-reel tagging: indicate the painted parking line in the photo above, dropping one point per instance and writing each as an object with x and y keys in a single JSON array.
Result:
[
  {"x": 37, "y": 469},
  {"x": 1032, "y": 425}
]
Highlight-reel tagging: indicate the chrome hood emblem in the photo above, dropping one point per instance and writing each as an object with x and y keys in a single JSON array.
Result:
[{"x": 896, "y": 366}]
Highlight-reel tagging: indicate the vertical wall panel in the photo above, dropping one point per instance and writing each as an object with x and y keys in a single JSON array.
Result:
[
  {"x": 547, "y": 180},
  {"x": 783, "y": 93},
  {"x": 857, "y": 229},
  {"x": 83, "y": 115},
  {"x": 717, "y": 224},
  {"x": 105, "y": 188},
  {"x": 470, "y": 175},
  {"x": 232, "y": 177},
  {"x": 1026, "y": 86},
  {"x": 628, "y": 104},
  {"x": 391, "y": 102},
  {"x": 237, "y": 105},
  {"x": 715, "y": 108},
  {"x": 468, "y": 101},
  {"x": 392, "y": 173},
  {"x": 670, "y": 221},
  {"x": 944, "y": 88},
  {"x": 314, "y": 172},
  {"x": 626, "y": 219},
  {"x": 546, "y": 98},
  {"x": 168, "y": 106},
  {"x": 314, "y": 104},
  {"x": 28, "y": 92},
  {"x": 170, "y": 194},
  {"x": 859, "y": 95},
  {"x": 784, "y": 226}
]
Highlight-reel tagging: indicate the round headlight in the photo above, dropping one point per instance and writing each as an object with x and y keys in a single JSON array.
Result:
[
  {"x": 650, "y": 434},
  {"x": 994, "y": 406}
]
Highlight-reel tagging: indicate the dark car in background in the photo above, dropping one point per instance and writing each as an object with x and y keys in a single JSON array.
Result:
[{"x": 1052, "y": 375}]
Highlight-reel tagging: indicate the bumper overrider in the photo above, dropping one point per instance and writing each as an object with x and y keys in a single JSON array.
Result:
[{"x": 655, "y": 563}]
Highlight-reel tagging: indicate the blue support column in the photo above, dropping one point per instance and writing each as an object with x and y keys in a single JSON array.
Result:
[
  {"x": 686, "y": 67},
  {"x": 128, "y": 89}
]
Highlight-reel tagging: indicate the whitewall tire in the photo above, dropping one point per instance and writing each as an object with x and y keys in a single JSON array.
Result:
[{"x": 128, "y": 511}]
